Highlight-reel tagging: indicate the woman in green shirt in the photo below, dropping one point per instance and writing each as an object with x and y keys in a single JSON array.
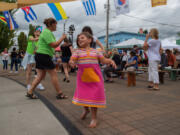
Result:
[
  {"x": 28, "y": 61},
  {"x": 43, "y": 58}
]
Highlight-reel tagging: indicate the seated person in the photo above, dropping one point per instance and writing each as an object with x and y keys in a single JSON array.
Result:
[
  {"x": 177, "y": 55},
  {"x": 132, "y": 63},
  {"x": 108, "y": 69},
  {"x": 171, "y": 58},
  {"x": 131, "y": 66},
  {"x": 164, "y": 61}
]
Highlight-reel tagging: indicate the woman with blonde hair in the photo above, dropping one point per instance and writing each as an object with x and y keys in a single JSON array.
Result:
[{"x": 153, "y": 47}]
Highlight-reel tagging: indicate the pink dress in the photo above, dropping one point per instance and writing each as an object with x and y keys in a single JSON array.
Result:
[{"x": 90, "y": 87}]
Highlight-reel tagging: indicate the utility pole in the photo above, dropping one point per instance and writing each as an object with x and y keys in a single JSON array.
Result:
[
  {"x": 71, "y": 31},
  {"x": 107, "y": 25},
  {"x": 65, "y": 21}
]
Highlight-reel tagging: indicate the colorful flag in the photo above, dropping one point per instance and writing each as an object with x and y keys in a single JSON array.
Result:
[
  {"x": 10, "y": 20},
  {"x": 29, "y": 14},
  {"x": 158, "y": 2},
  {"x": 122, "y": 6},
  {"x": 58, "y": 11},
  {"x": 89, "y": 6},
  {"x": 2, "y": 19}
]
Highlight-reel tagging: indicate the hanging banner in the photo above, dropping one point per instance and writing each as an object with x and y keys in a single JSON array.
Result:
[
  {"x": 4, "y": 6},
  {"x": 10, "y": 20},
  {"x": 58, "y": 11},
  {"x": 121, "y": 6},
  {"x": 3, "y": 19},
  {"x": 158, "y": 2},
  {"x": 29, "y": 14},
  {"x": 89, "y": 6}
]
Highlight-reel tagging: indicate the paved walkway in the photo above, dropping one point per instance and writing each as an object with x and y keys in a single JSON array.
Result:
[
  {"x": 20, "y": 116},
  {"x": 130, "y": 110}
]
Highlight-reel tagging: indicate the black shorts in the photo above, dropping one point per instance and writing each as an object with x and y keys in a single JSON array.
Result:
[
  {"x": 65, "y": 59},
  {"x": 44, "y": 61}
]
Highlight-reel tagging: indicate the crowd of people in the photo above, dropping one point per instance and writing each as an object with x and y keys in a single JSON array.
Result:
[
  {"x": 94, "y": 66},
  {"x": 15, "y": 57}
]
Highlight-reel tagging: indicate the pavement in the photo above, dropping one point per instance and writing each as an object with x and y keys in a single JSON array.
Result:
[
  {"x": 21, "y": 116},
  {"x": 130, "y": 110}
]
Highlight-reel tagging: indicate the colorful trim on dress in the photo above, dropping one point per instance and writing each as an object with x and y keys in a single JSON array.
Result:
[{"x": 89, "y": 103}]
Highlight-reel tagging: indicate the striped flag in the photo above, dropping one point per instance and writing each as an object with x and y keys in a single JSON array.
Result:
[
  {"x": 10, "y": 20},
  {"x": 29, "y": 14},
  {"x": 58, "y": 11},
  {"x": 2, "y": 19},
  {"x": 122, "y": 6},
  {"x": 158, "y": 2},
  {"x": 89, "y": 6}
]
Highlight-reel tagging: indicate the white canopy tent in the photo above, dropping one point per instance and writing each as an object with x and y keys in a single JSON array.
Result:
[
  {"x": 129, "y": 43},
  {"x": 166, "y": 44}
]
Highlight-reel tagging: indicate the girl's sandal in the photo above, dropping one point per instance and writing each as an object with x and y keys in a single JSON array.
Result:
[
  {"x": 61, "y": 96},
  {"x": 31, "y": 96}
]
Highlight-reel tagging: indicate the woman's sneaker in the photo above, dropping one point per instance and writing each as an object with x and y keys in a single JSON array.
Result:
[{"x": 40, "y": 87}]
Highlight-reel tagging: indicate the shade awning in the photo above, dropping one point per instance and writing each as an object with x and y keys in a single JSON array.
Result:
[
  {"x": 129, "y": 43},
  {"x": 4, "y": 6}
]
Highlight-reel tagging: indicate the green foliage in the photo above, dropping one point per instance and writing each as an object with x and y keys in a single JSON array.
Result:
[
  {"x": 145, "y": 31},
  {"x": 178, "y": 34},
  {"x": 22, "y": 41},
  {"x": 31, "y": 30},
  {"x": 6, "y": 37},
  {"x": 10, "y": 1}
]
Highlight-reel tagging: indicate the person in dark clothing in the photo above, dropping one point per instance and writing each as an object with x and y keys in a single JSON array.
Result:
[
  {"x": 66, "y": 49},
  {"x": 20, "y": 58},
  {"x": 163, "y": 63},
  {"x": 109, "y": 69},
  {"x": 14, "y": 60}
]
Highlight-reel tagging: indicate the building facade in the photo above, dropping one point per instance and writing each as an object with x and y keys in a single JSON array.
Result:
[{"x": 118, "y": 37}]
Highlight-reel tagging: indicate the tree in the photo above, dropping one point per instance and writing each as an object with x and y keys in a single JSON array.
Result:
[
  {"x": 10, "y": 1},
  {"x": 31, "y": 29},
  {"x": 22, "y": 41},
  {"x": 145, "y": 31},
  {"x": 178, "y": 34},
  {"x": 6, "y": 37}
]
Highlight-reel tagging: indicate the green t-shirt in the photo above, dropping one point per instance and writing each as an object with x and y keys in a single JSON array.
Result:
[
  {"x": 45, "y": 39},
  {"x": 30, "y": 46}
]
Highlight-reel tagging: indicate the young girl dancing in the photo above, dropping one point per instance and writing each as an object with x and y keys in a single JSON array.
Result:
[{"x": 90, "y": 87}]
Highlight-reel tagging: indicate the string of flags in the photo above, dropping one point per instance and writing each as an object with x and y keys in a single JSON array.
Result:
[
  {"x": 89, "y": 6},
  {"x": 2, "y": 19},
  {"x": 121, "y": 6},
  {"x": 10, "y": 20},
  {"x": 29, "y": 14},
  {"x": 58, "y": 11},
  {"x": 158, "y": 2}
]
